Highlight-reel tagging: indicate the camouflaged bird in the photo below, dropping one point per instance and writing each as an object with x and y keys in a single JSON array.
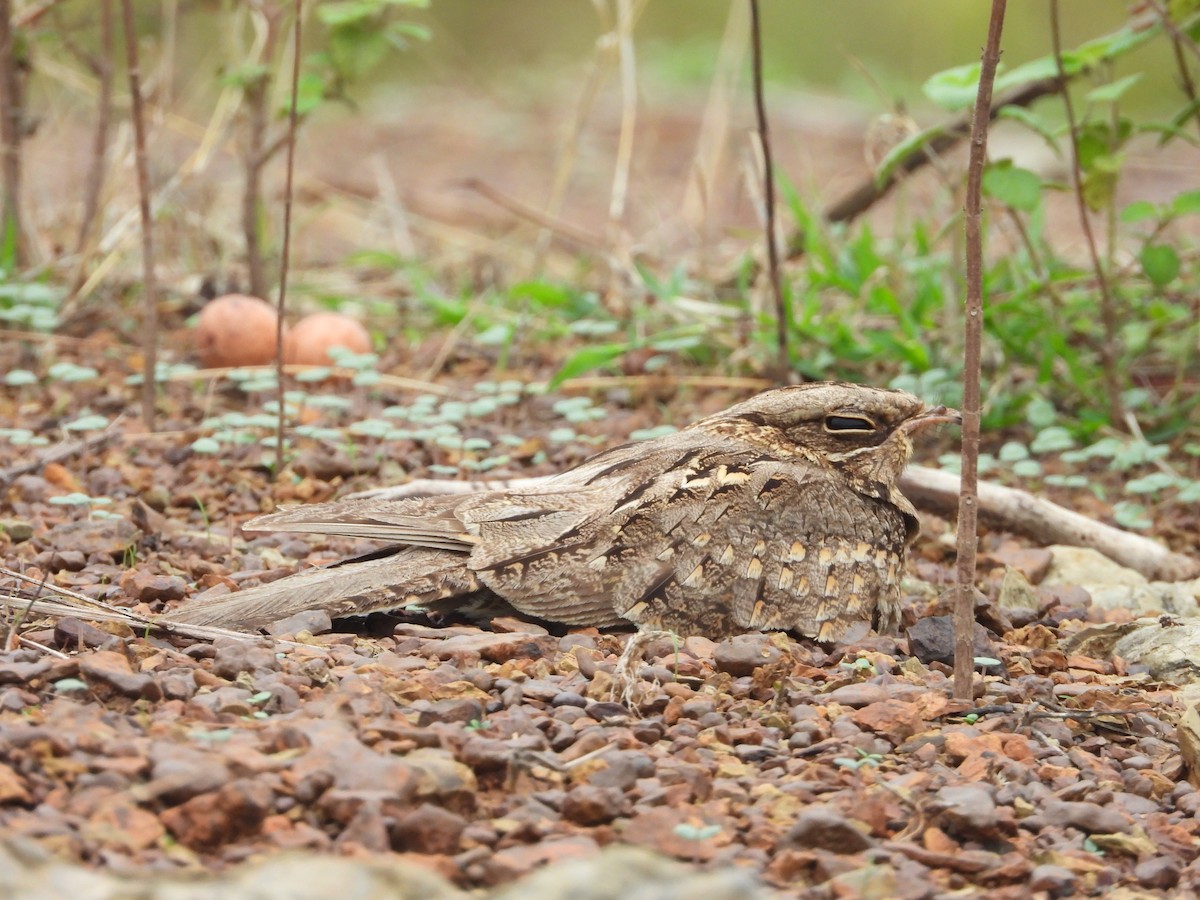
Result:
[{"x": 780, "y": 513}]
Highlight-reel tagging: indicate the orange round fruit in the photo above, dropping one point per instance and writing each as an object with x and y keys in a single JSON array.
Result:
[
  {"x": 236, "y": 330},
  {"x": 314, "y": 336}
]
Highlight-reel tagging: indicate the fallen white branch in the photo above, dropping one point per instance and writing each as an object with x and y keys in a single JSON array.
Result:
[{"x": 1048, "y": 523}]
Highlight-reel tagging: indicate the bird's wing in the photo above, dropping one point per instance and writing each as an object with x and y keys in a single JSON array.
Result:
[
  {"x": 561, "y": 552},
  {"x": 422, "y": 522},
  {"x": 529, "y": 517}
]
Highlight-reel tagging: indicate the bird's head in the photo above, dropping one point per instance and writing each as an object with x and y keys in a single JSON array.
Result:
[{"x": 863, "y": 432}]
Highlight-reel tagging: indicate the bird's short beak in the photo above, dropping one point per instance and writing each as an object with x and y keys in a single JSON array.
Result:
[{"x": 938, "y": 415}]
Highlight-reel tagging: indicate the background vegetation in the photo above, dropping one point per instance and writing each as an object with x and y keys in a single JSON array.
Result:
[{"x": 538, "y": 195}]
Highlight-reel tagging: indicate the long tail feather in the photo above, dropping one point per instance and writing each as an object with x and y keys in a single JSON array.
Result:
[{"x": 395, "y": 578}]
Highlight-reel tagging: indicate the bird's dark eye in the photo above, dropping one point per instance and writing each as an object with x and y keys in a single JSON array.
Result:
[{"x": 858, "y": 424}]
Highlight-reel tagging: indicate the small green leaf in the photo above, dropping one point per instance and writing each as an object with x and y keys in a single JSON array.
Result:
[
  {"x": 87, "y": 423},
  {"x": 1186, "y": 203},
  {"x": 1150, "y": 484},
  {"x": 1140, "y": 211},
  {"x": 1052, "y": 440},
  {"x": 1034, "y": 70},
  {"x": 1110, "y": 46},
  {"x": 1040, "y": 412},
  {"x": 1114, "y": 90},
  {"x": 1031, "y": 121},
  {"x": 376, "y": 428},
  {"x": 1189, "y": 492},
  {"x": 1013, "y": 186},
  {"x": 19, "y": 378},
  {"x": 66, "y": 371},
  {"x": 319, "y": 373},
  {"x": 399, "y": 33},
  {"x": 1160, "y": 262},
  {"x": 1013, "y": 451},
  {"x": 1071, "y": 481},
  {"x": 75, "y": 498},
  {"x": 347, "y": 13},
  {"x": 206, "y": 445},
  {"x": 586, "y": 360},
  {"x": 366, "y": 378},
  {"x": 1027, "y": 468},
  {"x": 310, "y": 93},
  {"x": 1100, "y": 180},
  {"x": 1131, "y": 515},
  {"x": 953, "y": 89}
]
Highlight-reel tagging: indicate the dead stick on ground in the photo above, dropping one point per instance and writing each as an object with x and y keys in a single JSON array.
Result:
[{"x": 1048, "y": 523}]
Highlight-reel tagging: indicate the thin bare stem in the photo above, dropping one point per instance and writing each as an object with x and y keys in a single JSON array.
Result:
[
  {"x": 1183, "y": 41},
  {"x": 968, "y": 497},
  {"x": 628, "y": 65},
  {"x": 608, "y": 51},
  {"x": 12, "y": 118},
  {"x": 1185, "y": 75},
  {"x": 102, "y": 65},
  {"x": 149, "y": 285},
  {"x": 290, "y": 166},
  {"x": 713, "y": 138},
  {"x": 764, "y": 138},
  {"x": 255, "y": 159},
  {"x": 31, "y": 16},
  {"x": 1108, "y": 315}
]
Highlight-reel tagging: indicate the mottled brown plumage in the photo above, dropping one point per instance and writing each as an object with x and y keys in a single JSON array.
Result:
[{"x": 781, "y": 512}]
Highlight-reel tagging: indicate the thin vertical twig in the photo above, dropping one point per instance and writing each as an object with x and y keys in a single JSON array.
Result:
[
  {"x": 256, "y": 94},
  {"x": 968, "y": 497},
  {"x": 699, "y": 199},
  {"x": 1108, "y": 314},
  {"x": 12, "y": 119},
  {"x": 149, "y": 285},
  {"x": 628, "y": 66},
  {"x": 103, "y": 67},
  {"x": 1185, "y": 76},
  {"x": 764, "y": 139},
  {"x": 289, "y": 169}
]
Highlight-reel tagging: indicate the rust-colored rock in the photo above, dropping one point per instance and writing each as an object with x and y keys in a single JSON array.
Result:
[{"x": 230, "y": 814}]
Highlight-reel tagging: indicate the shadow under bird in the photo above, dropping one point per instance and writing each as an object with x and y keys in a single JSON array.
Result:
[{"x": 780, "y": 513}]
